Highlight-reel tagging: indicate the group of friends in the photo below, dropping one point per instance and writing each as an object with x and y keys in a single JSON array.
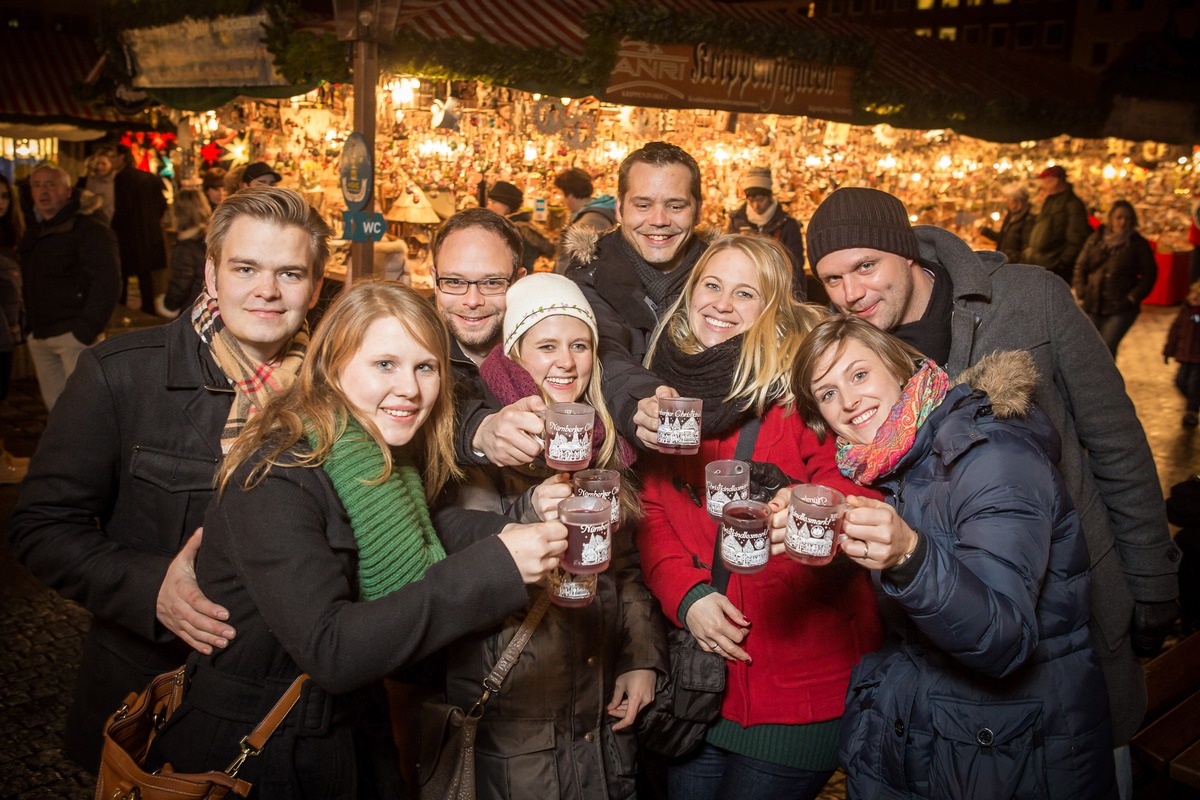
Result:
[{"x": 367, "y": 502}]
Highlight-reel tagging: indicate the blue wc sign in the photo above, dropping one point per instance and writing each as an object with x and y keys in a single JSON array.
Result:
[{"x": 356, "y": 174}]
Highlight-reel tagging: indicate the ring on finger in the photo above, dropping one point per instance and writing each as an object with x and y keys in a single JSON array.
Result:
[
  {"x": 715, "y": 646},
  {"x": 866, "y": 550}
]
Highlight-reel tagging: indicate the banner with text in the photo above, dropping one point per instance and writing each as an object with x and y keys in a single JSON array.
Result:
[{"x": 708, "y": 76}]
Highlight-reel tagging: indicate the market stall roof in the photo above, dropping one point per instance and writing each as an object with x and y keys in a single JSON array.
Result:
[
  {"x": 918, "y": 81},
  {"x": 41, "y": 70}
]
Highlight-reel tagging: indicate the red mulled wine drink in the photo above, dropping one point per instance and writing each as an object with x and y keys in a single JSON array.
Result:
[
  {"x": 588, "y": 521},
  {"x": 745, "y": 539}
]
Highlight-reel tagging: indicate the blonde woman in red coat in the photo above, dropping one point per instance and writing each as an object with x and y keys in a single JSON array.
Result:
[{"x": 790, "y": 633}]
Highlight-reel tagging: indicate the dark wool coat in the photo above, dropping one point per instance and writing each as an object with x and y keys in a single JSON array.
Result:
[
  {"x": 1183, "y": 340},
  {"x": 120, "y": 480},
  {"x": 987, "y": 685},
  {"x": 783, "y": 229},
  {"x": 1114, "y": 280},
  {"x": 288, "y": 577},
  {"x": 187, "y": 272},
  {"x": 1013, "y": 236},
  {"x": 137, "y": 220},
  {"x": 625, "y": 317},
  {"x": 1058, "y": 234},
  {"x": 1106, "y": 464},
  {"x": 71, "y": 274}
]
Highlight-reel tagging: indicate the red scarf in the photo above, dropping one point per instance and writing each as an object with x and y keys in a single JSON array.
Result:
[
  {"x": 509, "y": 381},
  {"x": 864, "y": 463}
]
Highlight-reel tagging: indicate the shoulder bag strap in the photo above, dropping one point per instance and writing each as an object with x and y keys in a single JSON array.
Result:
[
  {"x": 747, "y": 438},
  {"x": 511, "y": 653},
  {"x": 252, "y": 744}
]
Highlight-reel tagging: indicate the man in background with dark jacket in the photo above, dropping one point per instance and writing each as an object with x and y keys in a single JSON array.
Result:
[
  {"x": 587, "y": 213},
  {"x": 138, "y": 208},
  {"x": 506, "y": 200},
  {"x": 761, "y": 214},
  {"x": 70, "y": 274},
  {"x": 1061, "y": 227}
]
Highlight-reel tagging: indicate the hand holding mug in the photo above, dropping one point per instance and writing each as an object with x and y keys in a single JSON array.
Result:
[
  {"x": 874, "y": 535},
  {"x": 646, "y": 417},
  {"x": 549, "y": 493}
]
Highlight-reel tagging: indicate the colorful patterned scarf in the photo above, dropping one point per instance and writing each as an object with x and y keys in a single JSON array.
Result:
[
  {"x": 863, "y": 463},
  {"x": 396, "y": 540},
  {"x": 509, "y": 381},
  {"x": 253, "y": 382}
]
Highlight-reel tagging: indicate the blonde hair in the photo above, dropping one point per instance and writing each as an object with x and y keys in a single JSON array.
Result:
[
  {"x": 609, "y": 456},
  {"x": 316, "y": 403},
  {"x": 832, "y": 334},
  {"x": 763, "y": 373}
]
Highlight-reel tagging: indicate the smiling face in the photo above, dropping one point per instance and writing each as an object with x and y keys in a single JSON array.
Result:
[
  {"x": 727, "y": 298},
  {"x": 475, "y": 319},
  {"x": 393, "y": 380},
  {"x": 657, "y": 213},
  {"x": 854, "y": 391},
  {"x": 878, "y": 287},
  {"x": 264, "y": 284},
  {"x": 558, "y": 353}
]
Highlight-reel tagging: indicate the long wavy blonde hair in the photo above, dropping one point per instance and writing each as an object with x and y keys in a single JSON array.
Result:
[
  {"x": 763, "y": 374},
  {"x": 315, "y": 401}
]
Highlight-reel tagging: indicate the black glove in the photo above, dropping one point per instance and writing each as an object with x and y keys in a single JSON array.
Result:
[
  {"x": 766, "y": 479},
  {"x": 1151, "y": 624}
]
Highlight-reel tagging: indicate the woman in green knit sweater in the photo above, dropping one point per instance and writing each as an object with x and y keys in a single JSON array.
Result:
[{"x": 322, "y": 546}]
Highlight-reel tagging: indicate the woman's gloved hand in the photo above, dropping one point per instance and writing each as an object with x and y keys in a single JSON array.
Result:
[{"x": 766, "y": 479}]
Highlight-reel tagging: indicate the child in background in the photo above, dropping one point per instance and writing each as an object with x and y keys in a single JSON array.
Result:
[{"x": 1183, "y": 345}]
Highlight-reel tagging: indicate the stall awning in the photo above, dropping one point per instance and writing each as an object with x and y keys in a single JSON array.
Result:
[{"x": 41, "y": 71}]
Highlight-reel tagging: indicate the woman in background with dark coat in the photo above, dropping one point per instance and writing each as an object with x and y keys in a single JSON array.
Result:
[
  {"x": 1114, "y": 274},
  {"x": 192, "y": 211}
]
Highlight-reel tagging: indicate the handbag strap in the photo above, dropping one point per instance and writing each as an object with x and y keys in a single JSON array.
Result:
[
  {"x": 252, "y": 744},
  {"x": 511, "y": 653},
  {"x": 747, "y": 437}
]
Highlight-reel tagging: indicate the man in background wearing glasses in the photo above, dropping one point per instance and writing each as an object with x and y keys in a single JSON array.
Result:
[{"x": 476, "y": 257}]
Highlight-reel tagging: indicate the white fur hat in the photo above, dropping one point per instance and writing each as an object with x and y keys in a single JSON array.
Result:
[{"x": 543, "y": 294}]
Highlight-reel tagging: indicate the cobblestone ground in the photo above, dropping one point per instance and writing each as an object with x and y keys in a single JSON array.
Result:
[{"x": 41, "y": 634}]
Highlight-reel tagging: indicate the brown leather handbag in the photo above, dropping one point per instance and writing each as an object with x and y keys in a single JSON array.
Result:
[{"x": 129, "y": 733}]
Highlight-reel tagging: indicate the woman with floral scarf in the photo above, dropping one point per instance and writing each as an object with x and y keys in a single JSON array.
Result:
[{"x": 987, "y": 685}]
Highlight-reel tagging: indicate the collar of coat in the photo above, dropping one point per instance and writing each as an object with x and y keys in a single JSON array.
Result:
[{"x": 1008, "y": 377}]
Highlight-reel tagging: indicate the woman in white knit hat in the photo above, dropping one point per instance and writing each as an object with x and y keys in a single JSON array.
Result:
[{"x": 562, "y": 725}]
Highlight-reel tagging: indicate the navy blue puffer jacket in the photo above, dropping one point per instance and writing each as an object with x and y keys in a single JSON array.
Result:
[{"x": 987, "y": 685}]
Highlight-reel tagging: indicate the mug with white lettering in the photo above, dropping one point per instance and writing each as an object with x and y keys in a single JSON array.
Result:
[{"x": 589, "y": 534}]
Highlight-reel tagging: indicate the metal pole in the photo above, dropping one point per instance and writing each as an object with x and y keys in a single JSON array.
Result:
[{"x": 366, "y": 75}]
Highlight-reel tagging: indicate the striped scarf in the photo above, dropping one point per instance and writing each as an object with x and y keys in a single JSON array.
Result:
[
  {"x": 863, "y": 463},
  {"x": 253, "y": 382},
  {"x": 396, "y": 540}
]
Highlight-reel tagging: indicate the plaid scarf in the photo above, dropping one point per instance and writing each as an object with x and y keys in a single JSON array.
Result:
[
  {"x": 863, "y": 463},
  {"x": 253, "y": 382},
  {"x": 395, "y": 536}
]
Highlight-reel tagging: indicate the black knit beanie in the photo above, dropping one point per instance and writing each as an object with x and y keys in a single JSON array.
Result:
[{"x": 852, "y": 218}]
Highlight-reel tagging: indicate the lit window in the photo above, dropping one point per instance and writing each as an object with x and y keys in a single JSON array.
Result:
[
  {"x": 948, "y": 34},
  {"x": 926, "y": 32},
  {"x": 1001, "y": 2},
  {"x": 924, "y": 5},
  {"x": 949, "y": 3}
]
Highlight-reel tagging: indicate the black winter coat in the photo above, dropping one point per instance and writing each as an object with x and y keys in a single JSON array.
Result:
[
  {"x": 625, "y": 317},
  {"x": 71, "y": 275},
  {"x": 1013, "y": 236},
  {"x": 783, "y": 229},
  {"x": 120, "y": 480},
  {"x": 988, "y": 685},
  {"x": 283, "y": 559},
  {"x": 1112, "y": 280},
  {"x": 187, "y": 273},
  {"x": 137, "y": 220}
]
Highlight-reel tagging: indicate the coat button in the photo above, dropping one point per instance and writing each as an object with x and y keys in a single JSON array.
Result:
[
  {"x": 589, "y": 737},
  {"x": 591, "y": 662},
  {"x": 985, "y": 737},
  {"x": 899, "y": 727}
]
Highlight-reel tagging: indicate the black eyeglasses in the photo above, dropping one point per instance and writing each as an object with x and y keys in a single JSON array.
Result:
[{"x": 488, "y": 286}]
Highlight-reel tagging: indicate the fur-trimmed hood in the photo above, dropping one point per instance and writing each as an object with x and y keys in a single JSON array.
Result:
[
  {"x": 579, "y": 244},
  {"x": 1008, "y": 377}
]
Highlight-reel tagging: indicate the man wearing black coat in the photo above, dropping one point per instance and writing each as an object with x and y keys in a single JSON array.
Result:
[
  {"x": 139, "y": 205},
  {"x": 110, "y": 512}
]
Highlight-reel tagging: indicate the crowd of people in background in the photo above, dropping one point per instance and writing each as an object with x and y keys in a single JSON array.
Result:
[{"x": 257, "y": 490}]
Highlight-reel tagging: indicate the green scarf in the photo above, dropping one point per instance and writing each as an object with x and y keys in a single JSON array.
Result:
[{"x": 396, "y": 540}]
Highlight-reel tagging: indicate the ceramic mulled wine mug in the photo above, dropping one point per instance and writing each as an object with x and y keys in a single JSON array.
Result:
[
  {"x": 814, "y": 522},
  {"x": 725, "y": 481},
  {"x": 602, "y": 483},
  {"x": 679, "y": 425},
  {"x": 589, "y": 534},
  {"x": 568, "y": 436},
  {"x": 745, "y": 536}
]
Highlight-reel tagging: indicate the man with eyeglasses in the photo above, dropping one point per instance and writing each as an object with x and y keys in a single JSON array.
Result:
[{"x": 476, "y": 257}]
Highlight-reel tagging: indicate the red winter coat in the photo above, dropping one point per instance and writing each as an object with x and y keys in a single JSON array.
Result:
[{"x": 808, "y": 625}]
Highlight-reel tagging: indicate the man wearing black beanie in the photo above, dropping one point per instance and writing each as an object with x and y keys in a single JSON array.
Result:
[{"x": 927, "y": 287}]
